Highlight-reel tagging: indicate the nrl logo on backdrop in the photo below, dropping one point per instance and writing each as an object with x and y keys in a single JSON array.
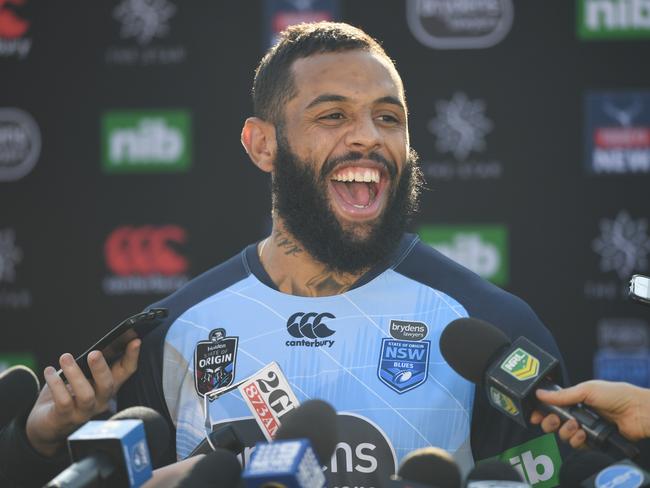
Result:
[
  {"x": 521, "y": 365},
  {"x": 459, "y": 24},
  {"x": 214, "y": 362}
]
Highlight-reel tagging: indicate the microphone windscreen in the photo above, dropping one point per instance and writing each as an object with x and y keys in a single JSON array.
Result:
[
  {"x": 218, "y": 468},
  {"x": 493, "y": 470},
  {"x": 469, "y": 345},
  {"x": 155, "y": 428},
  {"x": 19, "y": 388},
  {"x": 314, "y": 420},
  {"x": 430, "y": 466},
  {"x": 581, "y": 465}
]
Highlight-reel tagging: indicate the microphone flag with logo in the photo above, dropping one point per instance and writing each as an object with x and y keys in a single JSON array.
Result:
[{"x": 269, "y": 397}]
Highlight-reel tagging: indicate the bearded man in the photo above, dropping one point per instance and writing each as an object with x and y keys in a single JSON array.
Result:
[{"x": 349, "y": 305}]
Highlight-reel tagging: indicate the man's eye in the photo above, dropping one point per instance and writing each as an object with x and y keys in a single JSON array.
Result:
[
  {"x": 333, "y": 116},
  {"x": 389, "y": 118}
]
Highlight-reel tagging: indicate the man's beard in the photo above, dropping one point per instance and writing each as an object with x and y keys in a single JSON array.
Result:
[{"x": 300, "y": 198}]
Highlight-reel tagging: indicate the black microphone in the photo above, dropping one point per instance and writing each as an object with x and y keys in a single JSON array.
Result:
[
  {"x": 225, "y": 437},
  {"x": 581, "y": 465},
  {"x": 494, "y": 473},
  {"x": 19, "y": 388},
  {"x": 314, "y": 420},
  {"x": 430, "y": 466},
  {"x": 218, "y": 468},
  {"x": 303, "y": 444},
  {"x": 510, "y": 374},
  {"x": 115, "y": 452},
  {"x": 156, "y": 430}
]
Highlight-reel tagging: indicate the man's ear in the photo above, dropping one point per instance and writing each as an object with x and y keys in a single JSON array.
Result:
[{"x": 258, "y": 138}]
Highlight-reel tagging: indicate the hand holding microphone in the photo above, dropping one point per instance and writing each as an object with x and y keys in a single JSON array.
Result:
[
  {"x": 510, "y": 375},
  {"x": 626, "y": 405}
]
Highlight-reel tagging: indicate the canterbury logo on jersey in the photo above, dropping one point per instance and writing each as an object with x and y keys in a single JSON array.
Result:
[{"x": 305, "y": 326}]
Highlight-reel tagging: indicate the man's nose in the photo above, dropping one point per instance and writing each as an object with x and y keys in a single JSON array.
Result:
[{"x": 363, "y": 134}]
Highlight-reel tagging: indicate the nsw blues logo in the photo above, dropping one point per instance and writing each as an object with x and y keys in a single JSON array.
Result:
[
  {"x": 214, "y": 362},
  {"x": 403, "y": 365}
]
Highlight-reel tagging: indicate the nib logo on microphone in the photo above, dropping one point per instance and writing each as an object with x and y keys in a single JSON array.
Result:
[{"x": 305, "y": 326}]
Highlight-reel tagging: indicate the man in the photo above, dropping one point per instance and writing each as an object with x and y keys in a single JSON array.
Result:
[{"x": 349, "y": 305}]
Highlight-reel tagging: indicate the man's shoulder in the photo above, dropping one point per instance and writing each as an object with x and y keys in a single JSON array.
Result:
[
  {"x": 479, "y": 297},
  {"x": 208, "y": 283}
]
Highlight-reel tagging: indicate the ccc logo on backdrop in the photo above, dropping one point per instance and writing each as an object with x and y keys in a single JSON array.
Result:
[
  {"x": 309, "y": 325},
  {"x": 147, "y": 250}
]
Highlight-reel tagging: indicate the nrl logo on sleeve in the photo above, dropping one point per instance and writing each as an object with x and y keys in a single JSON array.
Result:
[
  {"x": 214, "y": 362},
  {"x": 521, "y": 365}
]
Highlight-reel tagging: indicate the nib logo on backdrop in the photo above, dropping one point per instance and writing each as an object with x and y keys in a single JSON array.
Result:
[
  {"x": 145, "y": 260},
  {"x": 480, "y": 248},
  {"x": 144, "y": 29},
  {"x": 146, "y": 141},
  {"x": 613, "y": 19},
  {"x": 460, "y": 127},
  {"x": 622, "y": 249}
]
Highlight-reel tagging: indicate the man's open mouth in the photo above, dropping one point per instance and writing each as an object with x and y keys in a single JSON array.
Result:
[{"x": 358, "y": 190}]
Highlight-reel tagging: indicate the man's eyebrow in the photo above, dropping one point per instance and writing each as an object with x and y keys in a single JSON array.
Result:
[{"x": 331, "y": 97}]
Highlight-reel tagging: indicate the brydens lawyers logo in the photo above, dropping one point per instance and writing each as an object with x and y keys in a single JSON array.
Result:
[
  {"x": 20, "y": 144},
  {"x": 521, "y": 365},
  {"x": 145, "y": 260},
  {"x": 404, "y": 364},
  {"x": 312, "y": 325},
  {"x": 147, "y": 141},
  {"x": 214, "y": 361},
  {"x": 454, "y": 24},
  {"x": 617, "y": 132},
  {"x": 13, "y": 30}
]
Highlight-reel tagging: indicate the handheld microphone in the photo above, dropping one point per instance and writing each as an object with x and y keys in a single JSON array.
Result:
[
  {"x": 494, "y": 474},
  {"x": 114, "y": 452},
  {"x": 290, "y": 460},
  {"x": 156, "y": 430},
  {"x": 510, "y": 374},
  {"x": 225, "y": 437},
  {"x": 19, "y": 388},
  {"x": 220, "y": 464},
  {"x": 107, "y": 453},
  {"x": 429, "y": 466}
]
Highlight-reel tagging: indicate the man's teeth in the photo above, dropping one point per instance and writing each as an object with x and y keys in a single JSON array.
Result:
[{"x": 364, "y": 175}]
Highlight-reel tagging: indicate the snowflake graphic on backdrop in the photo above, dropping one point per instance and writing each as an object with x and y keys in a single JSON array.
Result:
[
  {"x": 460, "y": 125},
  {"x": 623, "y": 245},
  {"x": 144, "y": 19},
  {"x": 10, "y": 255}
]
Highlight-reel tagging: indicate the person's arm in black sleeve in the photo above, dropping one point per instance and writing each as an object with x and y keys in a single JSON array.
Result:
[{"x": 145, "y": 388}]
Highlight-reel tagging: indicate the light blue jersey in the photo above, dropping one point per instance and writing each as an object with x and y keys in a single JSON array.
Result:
[{"x": 371, "y": 352}]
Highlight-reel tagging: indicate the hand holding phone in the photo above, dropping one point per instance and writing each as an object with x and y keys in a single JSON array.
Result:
[{"x": 112, "y": 345}]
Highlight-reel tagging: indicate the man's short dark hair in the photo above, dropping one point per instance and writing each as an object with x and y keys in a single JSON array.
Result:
[{"x": 274, "y": 86}]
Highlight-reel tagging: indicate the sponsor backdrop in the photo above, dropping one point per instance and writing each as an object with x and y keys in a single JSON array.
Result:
[{"x": 122, "y": 176}]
